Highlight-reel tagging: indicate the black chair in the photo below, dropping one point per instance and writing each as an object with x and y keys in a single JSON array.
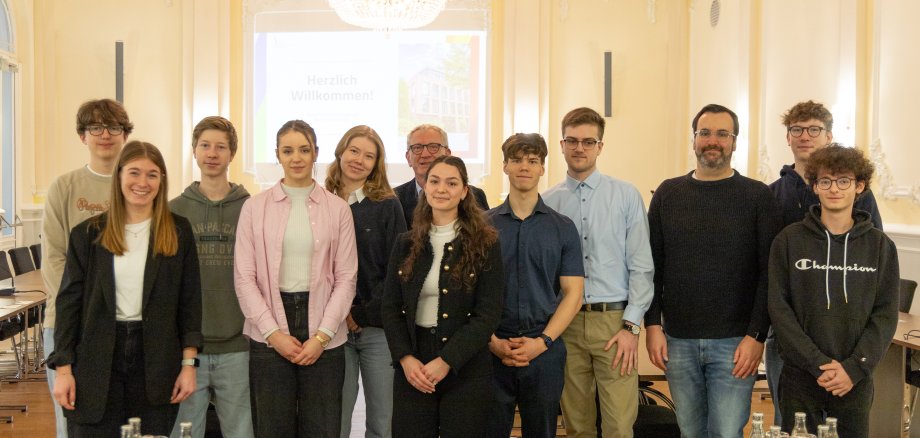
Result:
[
  {"x": 36, "y": 251},
  {"x": 906, "y": 291},
  {"x": 22, "y": 260},
  {"x": 906, "y": 294},
  {"x": 9, "y": 329},
  {"x": 656, "y": 417},
  {"x": 5, "y": 266}
]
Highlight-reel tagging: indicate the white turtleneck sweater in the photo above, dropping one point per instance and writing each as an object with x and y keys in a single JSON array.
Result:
[{"x": 427, "y": 312}]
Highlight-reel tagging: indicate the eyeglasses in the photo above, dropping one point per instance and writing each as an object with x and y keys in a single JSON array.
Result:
[
  {"x": 843, "y": 183},
  {"x": 113, "y": 130},
  {"x": 433, "y": 148},
  {"x": 588, "y": 143},
  {"x": 813, "y": 131},
  {"x": 721, "y": 134},
  {"x": 912, "y": 334}
]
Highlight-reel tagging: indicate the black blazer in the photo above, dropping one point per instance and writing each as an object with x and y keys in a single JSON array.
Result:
[
  {"x": 84, "y": 335},
  {"x": 408, "y": 197},
  {"x": 466, "y": 318}
]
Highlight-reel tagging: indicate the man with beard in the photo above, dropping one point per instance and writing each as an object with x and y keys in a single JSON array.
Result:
[
  {"x": 711, "y": 232},
  {"x": 424, "y": 144}
]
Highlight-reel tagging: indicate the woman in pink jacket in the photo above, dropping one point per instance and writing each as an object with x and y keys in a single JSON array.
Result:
[{"x": 295, "y": 269}]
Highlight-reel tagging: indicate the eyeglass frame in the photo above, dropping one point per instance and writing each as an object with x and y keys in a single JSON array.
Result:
[
  {"x": 914, "y": 333},
  {"x": 834, "y": 182},
  {"x": 806, "y": 129},
  {"x": 582, "y": 142},
  {"x": 101, "y": 127},
  {"x": 720, "y": 134},
  {"x": 417, "y": 148}
]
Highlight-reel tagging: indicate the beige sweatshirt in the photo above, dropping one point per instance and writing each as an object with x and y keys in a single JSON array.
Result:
[{"x": 72, "y": 198}]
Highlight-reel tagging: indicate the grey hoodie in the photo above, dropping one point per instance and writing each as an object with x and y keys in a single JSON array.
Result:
[
  {"x": 833, "y": 297},
  {"x": 214, "y": 225}
]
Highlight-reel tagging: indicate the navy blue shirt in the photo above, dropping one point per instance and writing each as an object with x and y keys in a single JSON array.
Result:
[{"x": 536, "y": 251}]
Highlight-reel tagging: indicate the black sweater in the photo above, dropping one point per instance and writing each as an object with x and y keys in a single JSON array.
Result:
[
  {"x": 833, "y": 297},
  {"x": 377, "y": 224},
  {"x": 710, "y": 242}
]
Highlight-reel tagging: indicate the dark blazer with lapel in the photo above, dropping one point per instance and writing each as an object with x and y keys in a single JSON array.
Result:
[
  {"x": 408, "y": 197},
  {"x": 84, "y": 336},
  {"x": 466, "y": 318}
]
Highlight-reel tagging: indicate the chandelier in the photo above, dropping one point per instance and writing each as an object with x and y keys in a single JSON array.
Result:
[{"x": 388, "y": 15}]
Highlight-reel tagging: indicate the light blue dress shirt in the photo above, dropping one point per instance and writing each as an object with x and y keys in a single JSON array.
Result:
[{"x": 613, "y": 227}]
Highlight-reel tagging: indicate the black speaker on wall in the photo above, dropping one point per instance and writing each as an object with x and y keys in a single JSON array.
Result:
[{"x": 120, "y": 71}]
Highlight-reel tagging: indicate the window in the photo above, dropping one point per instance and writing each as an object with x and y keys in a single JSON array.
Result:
[{"x": 8, "y": 72}]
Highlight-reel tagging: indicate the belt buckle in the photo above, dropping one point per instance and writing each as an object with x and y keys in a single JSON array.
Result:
[
  {"x": 588, "y": 307},
  {"x": 603, "y": 307}
]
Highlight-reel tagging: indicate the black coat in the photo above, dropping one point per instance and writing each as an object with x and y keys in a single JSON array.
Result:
[
  {"x": 466, "y": 318},
  {"x": 84, "y": 335},
  {"x": 408, "y": 197}
]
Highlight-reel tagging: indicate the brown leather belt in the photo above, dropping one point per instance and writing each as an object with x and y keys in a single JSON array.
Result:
[{"x": 603, "y": 307}]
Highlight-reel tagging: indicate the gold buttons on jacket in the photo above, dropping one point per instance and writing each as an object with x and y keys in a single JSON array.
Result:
[
  {"x": 446, "y": 268},
  {"x": 400, "y": 272},
  {"x": 450, "y": 248},
  {"x": 444, "y": 316},
  {"x": 443, "y": 339},
  {"x": 472, "y": 275},
  {"x": 444, "y": 291}
]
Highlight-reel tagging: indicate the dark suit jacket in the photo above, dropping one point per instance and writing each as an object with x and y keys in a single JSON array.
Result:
[
  {"x": 84, "y": 336},
  {"x": 408, "y": 197},
  {"x": 466, "y": 318}
]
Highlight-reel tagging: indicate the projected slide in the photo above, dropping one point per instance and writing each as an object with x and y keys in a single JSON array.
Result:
[{"x": 391, "y": 82}]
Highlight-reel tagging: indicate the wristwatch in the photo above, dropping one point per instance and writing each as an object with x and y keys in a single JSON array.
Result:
[
  {"x": 546, "y": 340},
  {"x": 322, "y": 341},
  {"x": 632, "y": 328},
  {"x": 194, "y": 362}
]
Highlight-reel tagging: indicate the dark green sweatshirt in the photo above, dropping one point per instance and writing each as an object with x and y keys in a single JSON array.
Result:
[{"x": 214, "y": 225}]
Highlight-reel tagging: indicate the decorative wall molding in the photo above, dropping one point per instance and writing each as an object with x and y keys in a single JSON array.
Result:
[
  {"x": 764, "y": 171},
  {"x": 886, "y": 179}
]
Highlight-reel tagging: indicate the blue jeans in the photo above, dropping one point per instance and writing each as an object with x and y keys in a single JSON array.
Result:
[
  {"x": 60, "y": 422},
  {"x": 226, "y": 376},
  {"x": 368, "y": 353},
  {"x": 710, "y": 402},
  {"x": 536, "y": 389},
  {"x": 774, "y": 368}
]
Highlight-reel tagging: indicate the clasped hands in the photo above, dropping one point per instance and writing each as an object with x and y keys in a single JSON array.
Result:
[
  {"x": 517, "y": 352},
  {"x": 306, "y": 353},
  {"x": 424, "y": 377}
]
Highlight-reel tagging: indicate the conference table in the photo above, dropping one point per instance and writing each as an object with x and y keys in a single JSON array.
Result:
[
  {"x": 886, "y": 419},
  {"x": 29, "y": 295}
]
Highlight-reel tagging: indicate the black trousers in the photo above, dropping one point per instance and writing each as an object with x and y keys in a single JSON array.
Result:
[
  {"x": 127, "y": 396},
  {"x": 290, "y": 400},
  {"x": 800, "y": 392},
  {"x": 459, "y": 405}
]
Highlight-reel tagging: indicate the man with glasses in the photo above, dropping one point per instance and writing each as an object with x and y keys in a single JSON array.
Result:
[
  {"x": 711, "y": 232},
  {"x": 808, "y": 129},
  {"x": 833, "y": 297},
  {"x": 103, "y": 126},
  {"x": 602, "y": 340},
  {"x": 424, "y": 144}
]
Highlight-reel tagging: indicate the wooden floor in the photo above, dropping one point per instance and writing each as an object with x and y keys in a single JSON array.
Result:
[{"x": 38, "y": 421}]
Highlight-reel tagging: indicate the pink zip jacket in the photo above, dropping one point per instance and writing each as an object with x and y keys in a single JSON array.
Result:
[{"x": 257, "y": 262}]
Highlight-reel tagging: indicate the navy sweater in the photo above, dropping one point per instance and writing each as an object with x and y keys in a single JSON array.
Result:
[
  {"x": 795, "y": 197},
  {"x": 710, "y": 242},
  {"x": 377, "y": 224}
]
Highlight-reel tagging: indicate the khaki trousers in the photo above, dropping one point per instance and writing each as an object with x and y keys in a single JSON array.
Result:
[{"x": 588, "y": 368}]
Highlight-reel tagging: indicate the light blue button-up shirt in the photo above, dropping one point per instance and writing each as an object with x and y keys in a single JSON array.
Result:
[{"x": 613, "y": 227}]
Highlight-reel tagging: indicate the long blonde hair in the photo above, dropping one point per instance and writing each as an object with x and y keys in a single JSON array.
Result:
[
  {"x": 376, "y": 186},
  {"x": 162, "y": 225}
]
